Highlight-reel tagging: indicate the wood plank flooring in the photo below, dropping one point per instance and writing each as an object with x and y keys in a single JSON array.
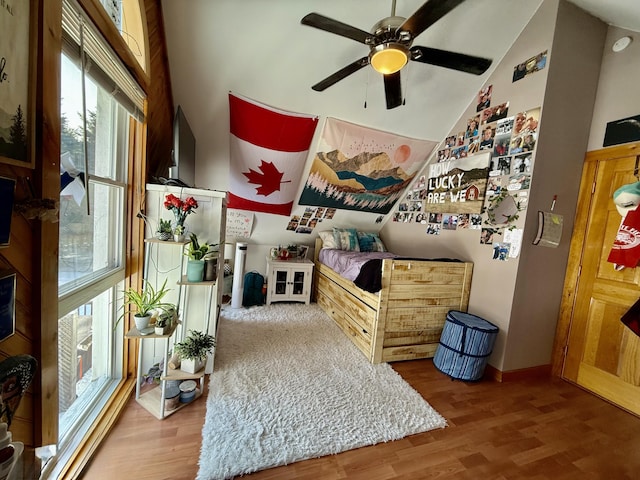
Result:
[{"x": 536, "y": 429}]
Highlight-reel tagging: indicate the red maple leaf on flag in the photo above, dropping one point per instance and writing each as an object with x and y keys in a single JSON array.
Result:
[{"x": 269, "y": 180}]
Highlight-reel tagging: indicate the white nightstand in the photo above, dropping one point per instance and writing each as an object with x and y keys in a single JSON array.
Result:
[{"x": 289, "y": 280}]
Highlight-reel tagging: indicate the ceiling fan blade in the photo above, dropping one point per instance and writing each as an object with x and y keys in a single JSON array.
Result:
[
  {"x": 453, "y": 60},
  {"x": 428, "y": 14},
  {"x": 334, "y": 26},
  {"x": 393, "y": 90},
  {"x": 340, "y": 74}
]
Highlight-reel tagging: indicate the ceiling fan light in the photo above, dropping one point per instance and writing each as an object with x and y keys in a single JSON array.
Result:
[{"x": 388, "y": 58}]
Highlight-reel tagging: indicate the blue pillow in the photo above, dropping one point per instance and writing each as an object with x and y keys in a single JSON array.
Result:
[
  {"x": 346, "y": 239},
  {"x": 370, "y": 242}
]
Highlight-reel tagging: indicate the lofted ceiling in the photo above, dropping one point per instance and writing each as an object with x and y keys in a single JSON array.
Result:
[{"x": 259, "y": 49}]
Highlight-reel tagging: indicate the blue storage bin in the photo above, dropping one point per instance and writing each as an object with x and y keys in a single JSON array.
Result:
[{"x": 466, "y": 342}]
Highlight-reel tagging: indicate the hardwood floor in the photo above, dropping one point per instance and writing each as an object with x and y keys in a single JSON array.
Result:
[{"x": 538, "y": 429}]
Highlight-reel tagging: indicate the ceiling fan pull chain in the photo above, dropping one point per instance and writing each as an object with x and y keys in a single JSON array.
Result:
[{"x": 366, "y": 90}]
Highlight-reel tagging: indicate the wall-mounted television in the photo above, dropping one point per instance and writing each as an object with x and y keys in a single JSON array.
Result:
[{"x": 182, "y": 171}]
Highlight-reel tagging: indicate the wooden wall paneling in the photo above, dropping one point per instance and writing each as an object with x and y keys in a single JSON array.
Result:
[
  {"x": 160, "y": 99},
  {"x": 21, "y": 241},
  {"x": 22, "y": 256},
  {"x": 48, "y": 186}
]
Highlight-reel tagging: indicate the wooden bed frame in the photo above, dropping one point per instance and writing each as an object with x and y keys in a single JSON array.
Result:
[{"x": 405, "y": 319}]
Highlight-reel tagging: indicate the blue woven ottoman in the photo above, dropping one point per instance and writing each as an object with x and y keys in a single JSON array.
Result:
[{"x": 466, "y": 342}]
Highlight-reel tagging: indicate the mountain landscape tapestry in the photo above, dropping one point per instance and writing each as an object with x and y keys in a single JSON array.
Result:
[
  {"x": 359, "y": 168},
  {"x": 268, "y": 151}
]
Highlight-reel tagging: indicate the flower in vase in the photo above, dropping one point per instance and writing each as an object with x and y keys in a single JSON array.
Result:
[{"x": 180, "y": 208}]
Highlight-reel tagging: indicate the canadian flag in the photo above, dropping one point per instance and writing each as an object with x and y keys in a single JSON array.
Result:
[{"x": 268, "y": 150}]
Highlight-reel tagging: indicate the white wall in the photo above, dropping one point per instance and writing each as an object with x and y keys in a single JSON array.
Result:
[{"x": 618, "y": 92}]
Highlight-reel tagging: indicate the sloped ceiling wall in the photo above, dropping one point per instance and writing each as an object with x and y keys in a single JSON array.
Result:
[{"x": 260, "y": 50}]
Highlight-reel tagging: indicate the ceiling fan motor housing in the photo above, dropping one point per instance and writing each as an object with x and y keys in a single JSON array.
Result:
[{"x": 386, "y": 30}]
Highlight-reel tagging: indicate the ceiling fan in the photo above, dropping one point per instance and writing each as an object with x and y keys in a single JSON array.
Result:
[{"x": 390, "y": 43}]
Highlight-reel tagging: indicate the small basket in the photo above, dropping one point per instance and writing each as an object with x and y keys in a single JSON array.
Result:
[{"x": 465, "y": 345}]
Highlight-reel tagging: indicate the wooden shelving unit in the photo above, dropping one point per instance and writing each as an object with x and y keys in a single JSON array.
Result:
[
  {"x": 153, "y": 399},
  {"x": 161, "y": 263}
]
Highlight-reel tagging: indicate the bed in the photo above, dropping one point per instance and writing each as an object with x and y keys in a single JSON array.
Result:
[{"x": 404, "y": 319}]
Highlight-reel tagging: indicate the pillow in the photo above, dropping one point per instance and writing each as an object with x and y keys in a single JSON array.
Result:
[
  {"x": 328, "y": 241},
  {"x": 346, "y": 239},
  {"x": 370, "y": 242}
]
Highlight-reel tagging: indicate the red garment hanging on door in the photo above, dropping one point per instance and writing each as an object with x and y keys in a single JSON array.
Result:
[{"x": 625, "y": 251}]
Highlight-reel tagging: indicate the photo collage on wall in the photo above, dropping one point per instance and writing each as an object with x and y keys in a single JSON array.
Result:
[
  {"x": 412, "y": 210},
  {"x": 309, "y": 219},
  {"x": 510, "y": 141},
  {"x": 512, "y": 156},
  {"x": 418, "y": 207},
  {"x": 509, "y": 181}
]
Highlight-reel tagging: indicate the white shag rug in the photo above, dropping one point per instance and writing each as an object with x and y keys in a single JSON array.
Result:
[{"x": 288, "y": 385}]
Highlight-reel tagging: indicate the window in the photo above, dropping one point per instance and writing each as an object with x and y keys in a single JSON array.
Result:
[
  {"x": 91, "y": 252},
  {"x": 98, "y": 100},
  {"x": 126, "y": 16},
  {"x": 90, "y": 245}
]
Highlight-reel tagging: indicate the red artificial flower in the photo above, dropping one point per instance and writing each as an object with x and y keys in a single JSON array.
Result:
[{"x": 180, "y": 208}]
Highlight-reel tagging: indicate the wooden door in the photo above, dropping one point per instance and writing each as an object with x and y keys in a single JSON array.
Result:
[{"x": 602, "y": 354}]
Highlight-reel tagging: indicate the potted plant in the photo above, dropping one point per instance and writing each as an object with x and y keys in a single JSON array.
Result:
[
  {"x": 193, "y": 350},
  {"x": 164, "y": 230},
  {"x": 178, "y": 233},
  {"x": 165, "y": 320},
  {"x": 143, "y": 303},
  {"x": 196, "y": 252}
]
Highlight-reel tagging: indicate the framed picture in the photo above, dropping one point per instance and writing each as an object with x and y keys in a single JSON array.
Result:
[
  {"x": 7, "y": 190},
  {"x": 17, "y": 82},
  {"x": 302, "y": 252},
  {"x": 7, "y": 304}
]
